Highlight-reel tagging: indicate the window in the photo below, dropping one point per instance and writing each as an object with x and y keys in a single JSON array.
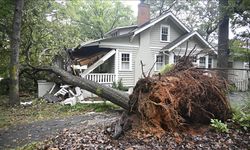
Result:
[
  {"x": 209, "y": 62},
  {"x": 202, "y": 62},
  {"x": 159, "y": 62},
  {"x": 125, "y": 61},
  {"x": 164, "y": 33},
  {"x": 176, "y": 58}
]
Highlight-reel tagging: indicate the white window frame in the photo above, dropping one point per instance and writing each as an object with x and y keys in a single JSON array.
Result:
[
  {"x": 203, "y": 64},
  {"x": 163, "y": 61},
  {"x": 175, "y": 61},
  {"x": 130, "y": 61},
  {"x": 168, "y": 33}
]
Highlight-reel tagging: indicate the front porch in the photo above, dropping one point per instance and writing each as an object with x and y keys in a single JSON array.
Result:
[
  {"x": 100, "y": 68},
  {"x": 103, "y": 78}
]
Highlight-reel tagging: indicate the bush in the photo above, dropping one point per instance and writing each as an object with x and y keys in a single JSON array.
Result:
[
  {"x": 241, "y": 118},
  {"x": 166, "y": 68},
  {"x": 219, "y": 126},
  {"x": 119, "y": 86},
  {"x": 241, "y": 114}
]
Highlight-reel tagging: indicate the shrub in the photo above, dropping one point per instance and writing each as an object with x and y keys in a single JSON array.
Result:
[
  {"x": 241, "y": 118},
  {"x": 119, "y": 86},
  {"x": 241, "y": 114},
  {"x": 219, "y": 126},
  {"x": 166, "y": 68}
]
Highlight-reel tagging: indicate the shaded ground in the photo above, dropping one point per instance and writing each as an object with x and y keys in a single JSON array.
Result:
[
  {"x": 202, "y": 138},
  {"x": 88, "y": 131},
  {"x": 38, "y": 131}
]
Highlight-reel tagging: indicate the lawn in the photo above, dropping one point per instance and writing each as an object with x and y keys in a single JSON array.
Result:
[{"x": 41, "y": 110}]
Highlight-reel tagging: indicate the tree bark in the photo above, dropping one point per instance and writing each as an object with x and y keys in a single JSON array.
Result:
[
  {"x": 117, "y": 97},
  {"x": 223, "y": 46},
  {"x": 14, "y": 61}
]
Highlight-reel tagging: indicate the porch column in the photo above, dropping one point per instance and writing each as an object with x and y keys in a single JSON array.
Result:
[
  {"x": 198, "y": 61},
  {"x": 206, "y": 62},
  {"x": 171, "y": 58},
  {"x": 116, "y": 65}
]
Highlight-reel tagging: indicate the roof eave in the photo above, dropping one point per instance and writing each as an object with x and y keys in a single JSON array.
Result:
[
  {"x": 160, "y": 19},
  {"x": 194, "y": 33}
]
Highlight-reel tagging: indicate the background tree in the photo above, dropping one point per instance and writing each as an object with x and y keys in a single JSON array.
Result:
[
  {"x": 6, "y": 15},
  {"x": 240, "y": 50},
  {"x": 50, "y": 26},
  {"x": 240, "y": 47},
  {"x": 94, "y": 18},
  {"x": 223, "y": 39},
  {"x": 201, "y": 16},
  {"x": 14, "y": 61}
]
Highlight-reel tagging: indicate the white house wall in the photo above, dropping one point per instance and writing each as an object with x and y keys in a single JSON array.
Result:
[
  {"x": 123, "y": 44},
  {"x": 143, "y": 54},
  {"x": 127, "y": 77},
  {"x": 238, "y": 74},
  {"x": 175, "y": 32}
]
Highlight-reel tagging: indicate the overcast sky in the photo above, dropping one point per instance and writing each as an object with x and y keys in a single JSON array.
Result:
[{"x": 133, "y": 4}]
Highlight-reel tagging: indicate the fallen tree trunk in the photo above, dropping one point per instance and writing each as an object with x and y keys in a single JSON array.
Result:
[
  {"x": 167, "y": 102},
  {"x": 117, "y": 97}
]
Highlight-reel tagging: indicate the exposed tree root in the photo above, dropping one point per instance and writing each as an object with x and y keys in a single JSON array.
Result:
[{"x": 185, "y": 95}]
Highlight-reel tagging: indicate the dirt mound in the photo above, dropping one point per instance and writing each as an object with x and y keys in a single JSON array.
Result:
[{"x": 185, "y": 95}]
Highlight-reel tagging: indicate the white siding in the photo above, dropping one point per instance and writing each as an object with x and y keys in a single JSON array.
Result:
[
  {"x": 127, "y": 77},
  {"x": 143, "y": 54},
  {"x": 175, "y": 32},
  {"x": 238, "y": 74},
  {"x": 123, "y": 44}
]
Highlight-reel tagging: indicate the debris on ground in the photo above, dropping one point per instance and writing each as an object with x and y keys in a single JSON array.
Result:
[{"x": 96, "y": 137}]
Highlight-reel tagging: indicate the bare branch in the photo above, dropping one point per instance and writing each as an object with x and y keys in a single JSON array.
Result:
[
  {"x": 151, "y": 69},
  {"x": 142, "y": 65}
]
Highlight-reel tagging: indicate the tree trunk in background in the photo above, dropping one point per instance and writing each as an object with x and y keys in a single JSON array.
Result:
[
  {"x": 223, "y": 46},
  {"x": 14, "y": 61}
]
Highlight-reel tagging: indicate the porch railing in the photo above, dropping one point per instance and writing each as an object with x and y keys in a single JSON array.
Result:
[
  {"x": 107, "y": 78},
  {"x": 240, "y": 84}
]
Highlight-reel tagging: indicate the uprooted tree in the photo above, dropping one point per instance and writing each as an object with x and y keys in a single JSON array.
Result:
[{"x": 165, "y": 102}]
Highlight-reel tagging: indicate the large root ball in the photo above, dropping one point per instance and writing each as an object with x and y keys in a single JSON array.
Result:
[{"x": 182, "y": 96}]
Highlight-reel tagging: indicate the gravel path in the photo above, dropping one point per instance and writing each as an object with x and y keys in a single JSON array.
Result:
[{"x": 38, "y": 131}]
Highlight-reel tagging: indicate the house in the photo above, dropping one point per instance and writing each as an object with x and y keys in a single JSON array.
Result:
[{"x": 162, "y": 40}]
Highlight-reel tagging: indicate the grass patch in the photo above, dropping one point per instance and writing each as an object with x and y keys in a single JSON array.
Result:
[
  {"x": 30, "y": 146},
  {"x": 41, "y": 110}
]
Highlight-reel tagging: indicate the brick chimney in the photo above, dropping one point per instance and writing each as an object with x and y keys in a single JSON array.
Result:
[{"x": 143, "y": 13}]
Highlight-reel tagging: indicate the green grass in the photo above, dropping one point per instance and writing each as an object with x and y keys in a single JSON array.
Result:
[
  {"x": 30, "y": 146},
  {"x": 41, "y": 110}
]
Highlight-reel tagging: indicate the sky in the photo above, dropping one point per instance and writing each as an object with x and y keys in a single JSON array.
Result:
[{"x": 133, "y": 4}]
